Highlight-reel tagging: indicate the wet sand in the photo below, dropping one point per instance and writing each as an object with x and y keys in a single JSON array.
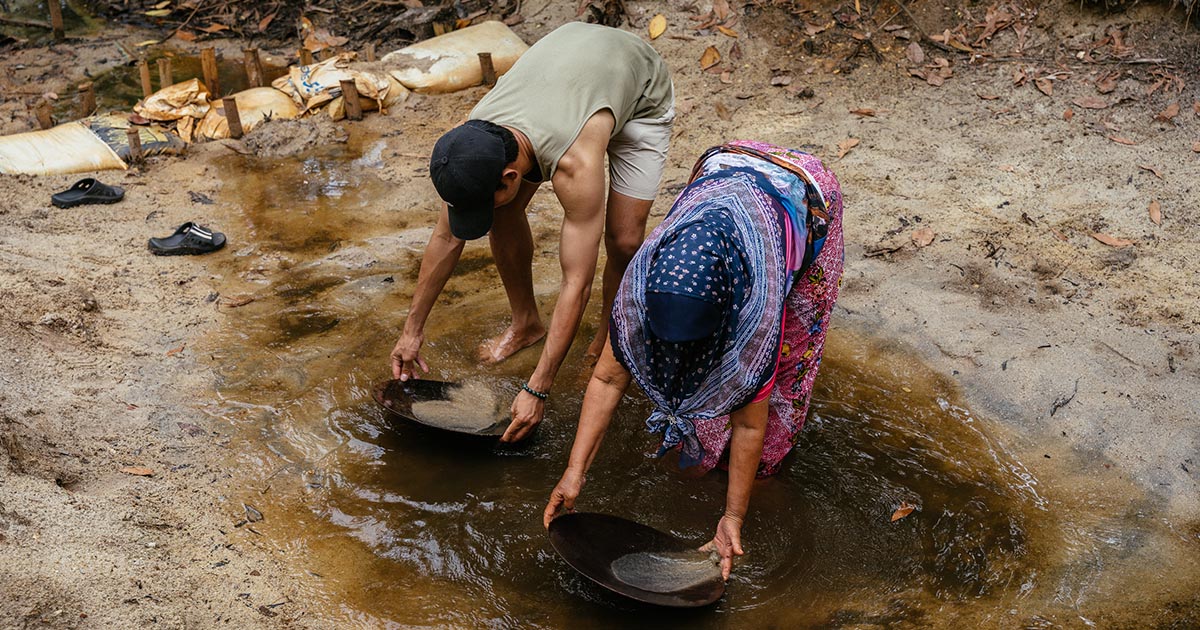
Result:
[{"x": 1031, "y": 395}]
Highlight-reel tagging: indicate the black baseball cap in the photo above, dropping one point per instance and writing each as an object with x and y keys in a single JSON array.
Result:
[{"x": 465, "y": 167}]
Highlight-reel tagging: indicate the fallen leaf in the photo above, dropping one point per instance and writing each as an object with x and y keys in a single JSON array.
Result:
[
  {"x": 905, "y": 509},
  {"x": 863, "y": 111},
  {"x": 1059, "y": 235},
  {"x": 140, "y": 471},
  {"x": 811, "y": 29},
  {"x": 1196, "y": 107},
  {"x": 727, "y": 78},
  {"x": 1091, "y": 102},
  {"x": 185, "y": 36},
  {"x": 1196, "y": 147},
  {"x": 1111, "y": 241},
  {"x": 1044, "y": 85},
  {"x": 934, "y": 79},
  {"x": 723, "y": 112},
  {"x": 174, "y": 351},
  {"x": 162, "y": 5},
  {"x": 845, "y": 145},
  {"x": 728, "y": 32},
  {"x": 236, "y": 301},
  {"x": 215, "y": 28},
  {"x": 1007, "y": 168},
  {"x": 1122, "y": 140},
  {"x": 657, "y": 26},
  {"x": 1107, "y": 83},
  {"x": 720, "y": 10},
  {"x": 710, "y": 58},
  {"x": 265, "y": 22},
  {"x": 1155, "y": 211},
  {"x": 252, "y": 513},
  {"x": 988, "y": 97},
  {"x": 915, "y": 53},
  {"x": 1168, "y": 114},
  {"x": 735, "y": 52},
  {"x": 158, "y": 13},
  {"x": 922, "y": 238},
  {"x": 145, "y": 43},
  {"x": 781, "y": 80},
  {"x": 1069, "y": 114},
  {"x": 1147, "y": 167}
]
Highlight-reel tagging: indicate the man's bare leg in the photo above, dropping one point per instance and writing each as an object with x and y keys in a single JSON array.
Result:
[
  {"x": 514, "y": 261},
  {"x": 624, "y": 231}
]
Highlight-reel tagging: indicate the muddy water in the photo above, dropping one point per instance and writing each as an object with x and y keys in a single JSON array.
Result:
[{"x": 388, "y": 525}]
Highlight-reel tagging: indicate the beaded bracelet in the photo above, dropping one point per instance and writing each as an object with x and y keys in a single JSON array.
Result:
[{"x": 534, "y": 392}]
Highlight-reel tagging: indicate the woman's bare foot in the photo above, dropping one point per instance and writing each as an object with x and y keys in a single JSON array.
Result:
[
  {"x": 511, "y": 341},
  {"x": 596, "y": 348}
]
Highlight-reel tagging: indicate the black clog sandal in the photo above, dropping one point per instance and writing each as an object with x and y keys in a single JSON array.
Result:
[
  {"x": 189, "y": 240},
  {"x": 87, "y": 191}
]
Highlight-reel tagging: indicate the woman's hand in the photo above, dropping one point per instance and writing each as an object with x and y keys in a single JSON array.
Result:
[
  {"x": 527, "y": 412},
  {"x": 727, "y": 542},
  {"x": 563, "y": 496}
]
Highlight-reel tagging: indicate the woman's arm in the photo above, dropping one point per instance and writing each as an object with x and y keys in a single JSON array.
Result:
[
  {"x": 745, "y": 451},
  {"x": 608, "y": 383}
]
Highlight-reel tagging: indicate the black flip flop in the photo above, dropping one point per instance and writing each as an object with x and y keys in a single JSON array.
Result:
[
  {"x": 189, "y": 240},
  {"x": 87, "y": 191}
]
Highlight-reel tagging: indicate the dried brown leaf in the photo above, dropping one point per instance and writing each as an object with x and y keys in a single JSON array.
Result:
[
  {"x": 935, "y": 79},
  {"x": 781, "y": 80},
  {"x": 1168, "y": 114},
  {"x": 905, "y": 509},
  {"x": 922, "y": 238},
  {"x": 845, "y": 145},
  {"x": 1111, "y": 241},
  {"x": 727, "y": 77},
  {"x": 185, "y": 36},
  {"x": 1147, "y": 167},
  {"x": 811, "y": 29},
  {"x": 265, "y": 22},
  {"x": 863, "y": 111},
  {"x": 1091, "y": 102},
  {"x": 735, "y": 52},
  {"x": 140, "y": 471},
  {"x": 1068, "y": 114},
  {"x": 1045, "y": 86},
  {"x": 1155, "y": 211},
  {"x": 1122, "y": 140},
  {"x": 988, "y": 97},
  {"x": 235, "y": 301},
  {"x": 1107, "y": 83},
  {"x": 1059, "y": 235},
  {"x": 657, "y": 26},
  {"x": 723, "y": 112},
  {"x": 215, "y": 27},
  {"x": 174, "y": 351},
  {"x": 710, "y": 58},
  {"x": 1196, "y": 146},
  {"x": 728, "y": 32},
  {"x": 721, "y": 9},
  {"x": 915, "y": 54}
]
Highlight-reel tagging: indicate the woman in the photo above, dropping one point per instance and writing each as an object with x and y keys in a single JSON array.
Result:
[{"x": 721, "y": 320}]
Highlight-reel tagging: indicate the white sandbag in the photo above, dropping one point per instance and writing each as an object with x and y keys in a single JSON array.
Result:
[
  {"x": 450, "y": 62},
  {"x": 68, "y": 148},
  {"x": 375, "y": 92},
  {"x": 254, "y": 106},
  {"x": 313, "y": 86},
  {"x": 186, "y": 99}
]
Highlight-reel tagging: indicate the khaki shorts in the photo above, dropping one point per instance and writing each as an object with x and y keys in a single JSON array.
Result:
[{"x": 637, "y": 155}]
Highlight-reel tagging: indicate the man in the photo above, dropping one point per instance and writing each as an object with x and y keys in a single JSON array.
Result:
[{"x": 580, "y": 93}]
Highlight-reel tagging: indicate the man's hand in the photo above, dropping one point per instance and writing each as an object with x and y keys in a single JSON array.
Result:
[
  {"x": 727, "y": 542},
  {"x": 406, "y": 357},
  {"x": 563, "y": 496},
  {"x": 527, "y": 411}
]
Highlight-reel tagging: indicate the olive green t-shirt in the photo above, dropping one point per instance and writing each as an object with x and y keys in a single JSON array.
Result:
[{"x": 573, "y": 72}]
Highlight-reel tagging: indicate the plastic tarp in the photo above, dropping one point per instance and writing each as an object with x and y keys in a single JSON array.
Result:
[
  {"x": 315, "y": 86},
  {"x": 188, "y": 99},
  {"x": 254, "y": 105},
  {"x": 450, "y": 62},
  {"x": 68, "y": 148},
  {"x": 113, "y": 130}
]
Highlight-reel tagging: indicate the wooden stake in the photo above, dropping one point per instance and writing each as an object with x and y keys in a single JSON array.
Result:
[
  {"x": 254, "y": 70},
  {"x": 369, "y": 51},
  {"x": 208, "y": 66},
  {"x": 56, "y": 19},
  {"x": 44, "y": 114},
  {"x": 489, "y": 71},
  {"x": 87, "y": 99},
  {"x": 232, "y": 117},
  {"x": 350, "y": 98},
  {"x": 164, "y": 73},
  {"x": 135, "y": 145},
  {"x": 144, "y": 75},
  {"x": 306, "y": 57}
]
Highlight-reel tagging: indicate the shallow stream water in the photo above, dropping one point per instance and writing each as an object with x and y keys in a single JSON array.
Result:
[{"x": 389, "y": 525}]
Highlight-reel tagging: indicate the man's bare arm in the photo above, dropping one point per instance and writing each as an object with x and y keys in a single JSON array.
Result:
[{"x": 441, "y": 255}]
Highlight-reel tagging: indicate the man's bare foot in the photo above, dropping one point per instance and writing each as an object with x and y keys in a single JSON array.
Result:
[{"x": 511, "y": 341}]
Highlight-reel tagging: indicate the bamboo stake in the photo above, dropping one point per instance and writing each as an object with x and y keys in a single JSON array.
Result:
[
  {"x": 135, "y": 145},
  {"x": 489, "y": 71},
  {"x": 369, "y": 51},
  {"x": 254, "y": 69},
  {"x": 144, "y": 75},
  {"x": 350, "y": 99},
  {"x": 306, "y": 57},
  {"x": 164, "y": 73},
  {"x": 44, "y": 115},
  {"x": 208, "y": 65},
  {"x": 87, "y": 99},
  {"x": 232, "y": 117},
  {"x": 56, "y": 19}
]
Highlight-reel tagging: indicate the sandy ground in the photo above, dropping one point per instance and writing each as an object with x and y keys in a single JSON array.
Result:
[{"x": 1085, "y": 353}]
